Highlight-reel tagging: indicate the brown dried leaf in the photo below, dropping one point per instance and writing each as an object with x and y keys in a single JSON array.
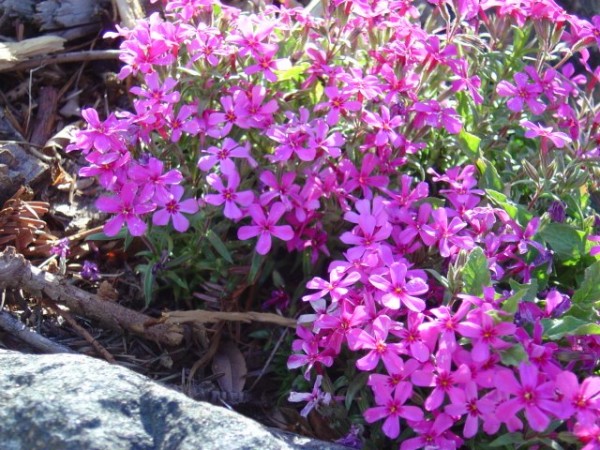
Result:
[
  {"x": 230, "y": 362},
  {"x": 107, "y": 292},
  {"x": 61, "y": 139}
]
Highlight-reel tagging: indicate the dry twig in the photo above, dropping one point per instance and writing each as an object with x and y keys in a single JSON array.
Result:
[
  {"x": 82, "y": 331},
  {"x": 17, "y": 272},
  {"x": 201, "y": 316},
  {"x": 18, "y": 329}
]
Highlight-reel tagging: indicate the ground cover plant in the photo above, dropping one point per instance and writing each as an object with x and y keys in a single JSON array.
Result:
[{"x": 416, "y": 182}]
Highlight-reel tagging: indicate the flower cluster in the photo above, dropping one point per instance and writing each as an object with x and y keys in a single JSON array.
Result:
[{"x": 440, "y": 169}]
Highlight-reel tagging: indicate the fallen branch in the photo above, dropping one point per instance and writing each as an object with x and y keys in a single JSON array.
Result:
[
  {"x": 18, "y": 273},
  {"x": 18, "y": 329},
  {"x": 201, "y": 316},
  {"x": 61, "y": 58},
  {"x": 12, "y": 53}
]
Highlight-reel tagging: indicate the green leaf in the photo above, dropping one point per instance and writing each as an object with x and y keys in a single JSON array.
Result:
[
  {"x": 278, "y": 280},
  {"x": 358, "y": 382},
  {"x": 531, "y": 289},
  {"x": 257, "y": 262},
  {"x": 589, "y": 291},
  {"x": 316, "y": 93},
  {"x": 568, "y": 325},
  {"x": 567, "y": 242},
  {"x": 516, "y": 212},
  {"x": 513, "y": 356},
  {"x": 177, "y": 280},
  {"x": 525, "y": 292},
  {"x": 475, "y": 273},
  {"x": 490, "y": 177},
  {"x": 507, "y": 439},
  {"x": 103, "y": 237},
  {"x": 293, "y": 73},
  {"x": 219, "y": 246},
  {"x": 469, "y": 143},
  {"x": 147, "y": 283}
]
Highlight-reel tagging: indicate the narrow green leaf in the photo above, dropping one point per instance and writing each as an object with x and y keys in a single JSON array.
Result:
[
  {"x": 148, "y": 284},
  {"x": 103, "y": 237},
  {"x": 358, "y": 382},
  {"x": 257, "y": 261},
  {"x": 177, "y": 280},
  {"x": 219, "y": 246},
  {"x": 507, "y": 439},
  {"x": 475, "y": 273}
]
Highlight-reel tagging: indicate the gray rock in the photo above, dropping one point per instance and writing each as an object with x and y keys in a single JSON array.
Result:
[{"x": 73, "y": 402}]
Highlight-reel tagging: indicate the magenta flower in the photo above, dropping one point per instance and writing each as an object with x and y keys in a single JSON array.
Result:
[
  {"x": 336, "y": 287},
  {"x": 595, "y": 249},
  {"x": 310, "y": 357},
  {"x": 338, "y": 104},
  {"x": 173, "y": 208},
  {"x": 485, "y": 333},
  {"x": 128, "y": 209},
  {"x": 103, "y": 136},
  {"x": 323, "y": 142},
  {"x": 364, "y": 179},
  {"x": 441, "y": 378},
  {"x": 184, "y": 121},
  {"x": 250, "y": 40},
  {"x": 384, "y": 124},
  {"x": 367, "y": 236},
  {"x": 315, "y": 398},
  {"x": 155, "y": 184},
  {"x": 105, "y": 166},
  {"x": 266, "y": 64},
  {"x": 431, "y": 113},
  {"x": 284, "y": 189},
  {"x": 157, "y": 91},
  {"x": 419, "y": 343},
  {"x": 398, "y": 290},
  {"x": 582, "y": 400},
  {"x": 432, "y": 434},
  {"x": 367, "y": 87},
  {"x": 265, "y": 227},
  {"x": 466, "y": 402},
  {"x": 378, "y": 348},
  {"x": 229, "y": 149},
  {"x": 521, "y": 93},
  {"x": 532, "y": 394},
  {"x": 232, "y": 114},
  {"x": 390, "y": 406},
  {"x": 470, "y": 83},
  {"x": 558, "y": 138},
  {"x": 206, "y": 46},
  {"x": 254, "y": 112},
  {"x": 228, "y": 195},
  {"x": 446, "y": 234}
]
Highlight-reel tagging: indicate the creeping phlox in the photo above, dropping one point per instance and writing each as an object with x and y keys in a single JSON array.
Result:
[{"x": 416, "y": 147}]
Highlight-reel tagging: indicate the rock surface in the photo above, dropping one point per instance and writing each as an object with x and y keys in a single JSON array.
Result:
[{"x": 73, "y": 402}]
